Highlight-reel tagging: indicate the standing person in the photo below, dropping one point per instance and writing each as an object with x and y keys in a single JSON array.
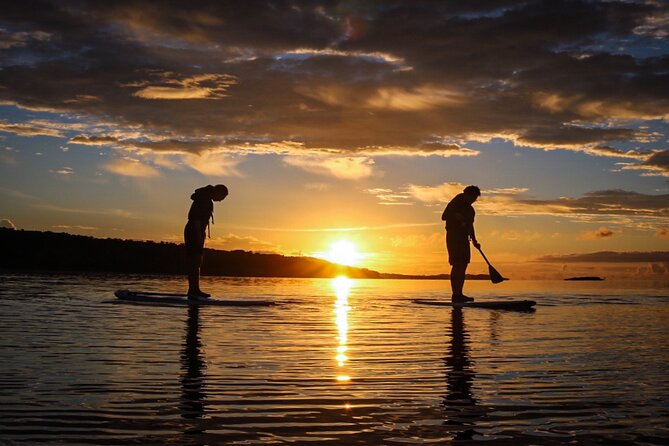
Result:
[
  {"x": 201, "y": 210},
  {"x": 459, "y": 218}
]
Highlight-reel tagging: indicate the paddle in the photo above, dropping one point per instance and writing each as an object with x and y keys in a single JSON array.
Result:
[{"x": 495, "y": 276}]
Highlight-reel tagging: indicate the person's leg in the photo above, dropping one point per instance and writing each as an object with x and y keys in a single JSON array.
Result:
[
  {"x": 194, "y": 263},
  {"x": 458, "y": 271}
]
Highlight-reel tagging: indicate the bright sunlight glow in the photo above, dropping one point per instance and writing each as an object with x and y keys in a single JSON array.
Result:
[{"x": 343, "y": 252}]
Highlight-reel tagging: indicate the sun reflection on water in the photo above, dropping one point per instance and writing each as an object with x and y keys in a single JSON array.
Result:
[{"x": 342, "y": 286}]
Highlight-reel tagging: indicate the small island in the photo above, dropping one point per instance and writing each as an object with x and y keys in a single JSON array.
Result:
[{"x": 585, "y": 278}]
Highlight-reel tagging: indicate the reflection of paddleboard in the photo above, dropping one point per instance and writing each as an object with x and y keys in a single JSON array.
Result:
[
  {"x": 182, "y": 299},
  {"x": 493, "y": 304}
]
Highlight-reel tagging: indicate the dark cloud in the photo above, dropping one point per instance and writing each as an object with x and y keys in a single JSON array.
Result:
[
  {"x": 600, "y": 233},
  {"x": 345, "y": 76},
  {"x": 604, "y": 233},
  {"x": 659, "y": 160},
  {"x": 28, "y": 129},
  {"x": 609, "y": 257},
  {"x": 601, "y": 203},
  {"x": 574, "y": 136},
  {"x": 624, "y": 207}
]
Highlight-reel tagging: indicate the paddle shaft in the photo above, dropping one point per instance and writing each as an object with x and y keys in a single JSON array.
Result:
[{"x": 484, "y": 257}]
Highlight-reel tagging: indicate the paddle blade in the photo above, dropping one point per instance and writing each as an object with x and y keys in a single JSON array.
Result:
[{"x": 495, "y": 276}]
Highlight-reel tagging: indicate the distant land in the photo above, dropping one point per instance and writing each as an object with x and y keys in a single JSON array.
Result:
[
  {"x": 585, "y": 278},
  {"x": 55, "y": 251}
]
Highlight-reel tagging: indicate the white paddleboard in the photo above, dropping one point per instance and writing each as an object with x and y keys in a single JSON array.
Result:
[
  {"x": 182, "y": 299},
  {"x": 492, "y": 304}
]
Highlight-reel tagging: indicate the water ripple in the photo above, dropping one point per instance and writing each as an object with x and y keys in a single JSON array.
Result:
[{"x": 336, "y": 362}]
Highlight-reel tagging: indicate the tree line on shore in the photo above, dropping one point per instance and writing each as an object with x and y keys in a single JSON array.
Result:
[{"x": 56, "y": 251}]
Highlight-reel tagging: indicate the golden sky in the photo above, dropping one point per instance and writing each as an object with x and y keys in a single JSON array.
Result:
[{"x": 347, "y": 122}]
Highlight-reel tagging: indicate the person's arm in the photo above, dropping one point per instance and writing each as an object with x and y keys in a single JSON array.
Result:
[
  {"x": 472, "y": 235},
  {"x": 200, "y": 235}
]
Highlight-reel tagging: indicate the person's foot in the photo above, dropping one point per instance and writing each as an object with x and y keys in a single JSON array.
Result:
[
  {"x": 461, "y": 299},
  {"x": 199, "y": 294}
]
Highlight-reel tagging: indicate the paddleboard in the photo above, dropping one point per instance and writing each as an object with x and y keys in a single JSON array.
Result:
[
  {"x": 492, "y": 304},
  {"x": 182, "y": 299}
]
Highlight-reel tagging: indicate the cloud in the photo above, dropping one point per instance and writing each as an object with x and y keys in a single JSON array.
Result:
[
  {"x": 20, "y": 39},
  {"x": 415, "y": 241},
  {"x": 76, "y": 227},
  {"x": 511, "y": 201},
  {"x": 199, "y": 86},
  {"x": 657, "y": 163},
  {"x": 28, "y": 129},
  {"x": 435, "y": 194},
  {"x": 423, "y": 149},
  {"x": 94, "y": 140},
  {"x": 349, "y": 168},
  {"x": 7, "y": 223},
  {"x": 662, "y": 233},
  {"x": 390, "y": 198},
  {"x": 247, "y": 243},
  {"x": 576, "y": 138},
  {"x": 655, "y": 26},
  {"x": 524, "y": 236},
  {"x": 64, "y": 171},
  {"x": 609, "y": 257},
  {"x": 344, "y": 77},
  {"x": 446, "y": 191},
  {"x": 600, "y": 233},
  {"x": 131, "y": 168},
  {"x": 106, "y": 212},
  {"x": 214, "y": 163}
]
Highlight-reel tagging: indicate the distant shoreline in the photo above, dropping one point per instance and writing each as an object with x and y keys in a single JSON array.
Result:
[{"x": 63, "y": 253}]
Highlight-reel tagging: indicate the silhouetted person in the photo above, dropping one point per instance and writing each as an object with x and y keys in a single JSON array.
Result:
[
  {"x": 199, "y": 214},
  {"x": 459, "y": 218}
]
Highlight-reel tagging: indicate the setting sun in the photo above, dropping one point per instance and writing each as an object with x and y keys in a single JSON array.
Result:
[{"x": 343, "y": 252}]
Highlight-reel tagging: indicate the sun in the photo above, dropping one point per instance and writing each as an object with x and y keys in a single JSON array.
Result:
[{"x": 343, "y": 252}]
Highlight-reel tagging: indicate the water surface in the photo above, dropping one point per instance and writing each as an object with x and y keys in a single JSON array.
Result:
[{"x": 340, "y": 362}]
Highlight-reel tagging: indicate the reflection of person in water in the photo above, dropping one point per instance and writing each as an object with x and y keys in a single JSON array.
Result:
[
  {"x": 192, "y": 365},
  {"x": 201, "y": 210},
  {"x": 459, "y": 403}
]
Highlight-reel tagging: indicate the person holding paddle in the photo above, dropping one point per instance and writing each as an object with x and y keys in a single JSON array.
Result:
[
  {"x": 201, "y": 210},
  {"x": 459, "y": 217}
]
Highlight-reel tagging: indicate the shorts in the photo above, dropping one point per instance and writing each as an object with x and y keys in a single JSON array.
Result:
[
  {"x": 194, "y": 239},
  {"x": 458, "y": 248}
]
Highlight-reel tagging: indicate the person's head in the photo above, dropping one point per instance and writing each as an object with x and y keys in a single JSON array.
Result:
[
  {"x": 219, "y": 192},
  {"x": 472, "y": 193}
]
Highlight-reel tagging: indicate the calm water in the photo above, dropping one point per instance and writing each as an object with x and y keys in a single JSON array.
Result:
[{"x": 338, "y": 362}]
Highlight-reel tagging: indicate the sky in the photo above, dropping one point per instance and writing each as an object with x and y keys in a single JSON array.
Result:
[{"x": 347, "y": 122}]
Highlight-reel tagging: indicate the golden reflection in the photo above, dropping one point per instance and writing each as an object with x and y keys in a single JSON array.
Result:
[{"x": 342, "y": 286}]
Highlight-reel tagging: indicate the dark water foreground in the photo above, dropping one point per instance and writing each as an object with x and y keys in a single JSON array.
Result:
[{"x": 341, "y": 362}]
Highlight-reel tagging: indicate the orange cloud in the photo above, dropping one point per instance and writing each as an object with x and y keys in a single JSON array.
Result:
[
  {"x": 349, "y": 168},
  {"x": 131, "y": 168},
  {"x": 200, "y": 86},
  {"x": 601, "y": 233}
]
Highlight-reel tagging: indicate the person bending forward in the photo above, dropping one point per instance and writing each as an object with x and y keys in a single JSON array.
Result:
[{"x": 201, "y": 210}]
